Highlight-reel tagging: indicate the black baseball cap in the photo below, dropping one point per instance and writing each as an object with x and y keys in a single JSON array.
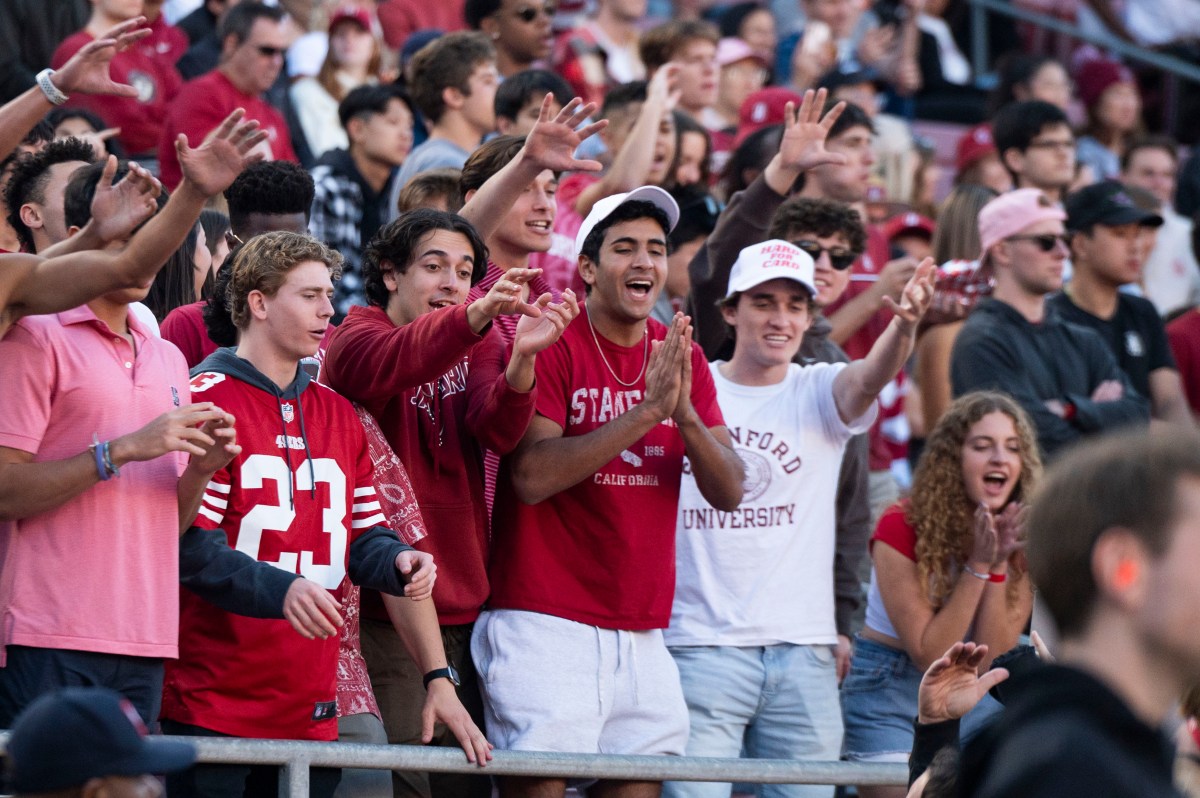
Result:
[
  {"x": 64, "y": 739},
  {"x": 1106, "y": 202}
]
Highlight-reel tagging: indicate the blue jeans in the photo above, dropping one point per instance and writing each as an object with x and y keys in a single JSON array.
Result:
[{"x": 770, "y": 702}]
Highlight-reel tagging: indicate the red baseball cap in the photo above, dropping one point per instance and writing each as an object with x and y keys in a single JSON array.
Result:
[
  {"x": 975, "y": 144},
  {"x": 1097, "y": 75},
  {"x": 355, "y": 13},
  {"x": 910, "y": 222},
  {"x": 763, "y": 108}
]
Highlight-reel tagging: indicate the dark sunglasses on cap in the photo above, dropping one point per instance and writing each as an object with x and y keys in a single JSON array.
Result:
[
  {"x": 530, "y": 13},
  {"x": 1046, "y": 241},
  {"x": 840, "y": 259}
]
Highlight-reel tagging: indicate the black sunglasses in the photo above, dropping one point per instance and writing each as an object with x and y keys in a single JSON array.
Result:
[
  {"x": 270, "y": 52},
  {"x": 529, "y": 13},
  {"x": 1045, "y": 242},
  {"x": 840, "y": 259}
]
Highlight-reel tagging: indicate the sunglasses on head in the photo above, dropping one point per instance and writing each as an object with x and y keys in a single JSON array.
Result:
[
  {"x": 840, "y": 259},
  {"x": 1045, "y": 242},
  {"x": 530, "y": 13}
]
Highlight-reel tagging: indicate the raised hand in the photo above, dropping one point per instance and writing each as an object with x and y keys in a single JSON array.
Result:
[
  {"x": 87, "y": 72},
  {"x": 952, "y": 686},
  {"x": 537, "y": 333},
  {"x": 420, "y": 573},
  {"x": 505, "y": 297},
  {"x": 226, "y": 151},
  {"x": 805, "y": 131},
  {"x": 551, "y": 144},
  {"x": 118, "y": 209},
  {"x": 916, "y": 297},
  {"x": 663, "y": 87}
]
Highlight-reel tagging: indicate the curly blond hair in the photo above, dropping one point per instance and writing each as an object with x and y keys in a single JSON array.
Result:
[
  {"x": 263, "y": 263},
  {"x": 940, "y": 512}
]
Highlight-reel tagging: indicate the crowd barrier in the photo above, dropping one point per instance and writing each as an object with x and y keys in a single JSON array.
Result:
[{"x": 295, "y": 758}]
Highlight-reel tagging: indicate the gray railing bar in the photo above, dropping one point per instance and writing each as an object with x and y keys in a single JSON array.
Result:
[{"x": 1165, "y": 62}]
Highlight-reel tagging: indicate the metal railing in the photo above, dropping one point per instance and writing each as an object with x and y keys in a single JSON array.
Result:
[{"x": 295, "y": 758}]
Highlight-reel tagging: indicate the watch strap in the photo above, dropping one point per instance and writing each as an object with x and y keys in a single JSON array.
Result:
[
  {"x": 52, "y": 92},
  {"x": 441, "y": 673}
]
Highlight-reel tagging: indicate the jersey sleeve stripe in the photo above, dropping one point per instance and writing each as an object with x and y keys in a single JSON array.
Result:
[
  {"x": 220, "y": 504},
  {"x": 363, "y": 492},
  {"x": 367, "y": 523},
  {"x": 365, "y": 507},
  {"x": 218, "y": 487},
  {"x": 210, "y": 515}
]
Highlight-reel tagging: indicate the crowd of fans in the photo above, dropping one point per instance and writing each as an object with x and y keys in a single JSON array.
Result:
[{"x": 624, "y": 376}]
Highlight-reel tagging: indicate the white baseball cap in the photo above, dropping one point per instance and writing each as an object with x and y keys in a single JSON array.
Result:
[
  {"x": 601, "y": 210},
  {"x": 771, "y": 260}
]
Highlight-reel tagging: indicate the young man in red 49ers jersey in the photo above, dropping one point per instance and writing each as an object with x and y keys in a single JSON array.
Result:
[{"x": 298, "y": 497}]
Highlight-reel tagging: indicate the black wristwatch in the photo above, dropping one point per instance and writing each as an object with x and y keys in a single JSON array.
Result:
[{"x": 447, "y": 672}]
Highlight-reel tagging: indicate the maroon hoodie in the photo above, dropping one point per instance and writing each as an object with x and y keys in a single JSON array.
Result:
[{"x": 440, "y": 396}]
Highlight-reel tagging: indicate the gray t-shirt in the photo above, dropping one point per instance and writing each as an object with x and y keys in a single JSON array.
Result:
[{"x": 432, "y": 154}]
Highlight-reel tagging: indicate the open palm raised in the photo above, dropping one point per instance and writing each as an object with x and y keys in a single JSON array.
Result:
[{"x": 805, "y": 132}]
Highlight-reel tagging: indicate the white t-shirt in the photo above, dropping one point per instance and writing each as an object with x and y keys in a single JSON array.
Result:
[{"x": 763, "y": 574}]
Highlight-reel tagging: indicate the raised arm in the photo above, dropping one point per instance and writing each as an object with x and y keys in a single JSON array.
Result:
[
  {"x": 550, "y": 145},
  {"x": 859, "y": 384},
  {"x": 85, "y": 73}
]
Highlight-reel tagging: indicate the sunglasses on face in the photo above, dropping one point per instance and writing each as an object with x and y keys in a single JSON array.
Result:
[
  {"x": 530, "y": 13},
  {"x": 840, "y": 259},
  {"x": 270, "y": 52},
  {"x": 1045, "y": 242}
]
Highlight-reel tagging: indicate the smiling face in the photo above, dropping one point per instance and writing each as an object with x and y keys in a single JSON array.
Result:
[
  {"x": 438, "y": 276},
  {"x": 631, "y": 271},
  {"x": 831, "y": 283},
  {"x": 528, "y": 224},
  {"x": 295, "y": 319},
  {"x": 769, "y": 320},
  {"x": 991, "y": 460}
]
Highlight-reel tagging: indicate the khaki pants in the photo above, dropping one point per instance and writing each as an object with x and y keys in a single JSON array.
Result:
[{"x": 396, "y": 680}]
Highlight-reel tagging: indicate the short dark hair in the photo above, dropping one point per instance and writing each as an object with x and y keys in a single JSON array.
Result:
[
  {"x": 731, "y": 18},
  {"x": 239, "y": 19},
  {"x": 1017, "y": 124},
  {"x": 56, "y": 116},
  {"x": 275, "y": 188},
  {"x": 427, "y": 185},
  {"x": 822, "y": 217},
  {"x": 622, "y": 95},
  {"x": 81, "y": 190},
  {"x": 517, "y": 90},
  {"x": 476, "y": 11},
  {"x": 394, "y": 246},
  {"x": 625, "y": 212},
  {"x": 446, "y": 62},
  {"x": 663, "y": 42},
  {"x": 852, "y": 116},
  {"x": 749, "y": 157},
  {"x": 698, "y": 214},
  {"x": 31, "y": 174},
  {"x": 369, "y": 100},
  {"x": 1150, "y": 142},
  {"x": 1128, "y": 480},
  {"x": 488, "y": 159}
]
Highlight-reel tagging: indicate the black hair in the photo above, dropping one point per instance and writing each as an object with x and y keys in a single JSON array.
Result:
[
  {"x": 488, "y": 159},
  {"x": 1017, "y": 124},
  {"x": 175, "y": 284},
  {"x": 239, "y": 19},
  {"x": 395, "y": 245},
  {"x": 56, "y": 116},
  {"x": 476, "y": 11},
  {"x": 621, "y": 95},
  {"x": 749, "y": 159},
  {"x": 369, "y": 100},
  {"x": 686, "y": 123},
  {"x": 31, "y": 174},
  {"x": 1017, "y": 69},
  {"x": 218, "y": 320},
  {"x": 215, "y": 225},
  {"x": 820, "y": 217},
  {"x": 625, "y": 212},
  {"x": 853, "y": 116},
  {"x": 1150, "y": 142},
  {"x": 698, "y": 214},
  {"x": 730, "y": 20},
  {"x": 517, "y": 90},
  {"x": 274, "y": 188}
]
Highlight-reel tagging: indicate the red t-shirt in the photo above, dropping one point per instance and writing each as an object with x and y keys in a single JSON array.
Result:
[
  {"x": 298, "y": 510},
  {"x": 184, "y": 327},
  {"x": 601, "y": 552},
  {"x": 140, "y": 118},
  {"x": 1184, "y": 336},
  {"x": 888, "y": 437},
  {"x": 401, "y": 18},
  {"x": 200, "y": 106},
  {"x": 165, "y": 41},
  {"x": 893, "y": 529}
]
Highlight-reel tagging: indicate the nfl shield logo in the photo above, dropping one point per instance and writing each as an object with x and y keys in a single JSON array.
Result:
[{"x": 288, "y": 412}]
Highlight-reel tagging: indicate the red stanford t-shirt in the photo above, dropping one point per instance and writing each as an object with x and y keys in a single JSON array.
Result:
[
  {"x": 298, "y": 509},
  {"x": 601, "y": 552}
]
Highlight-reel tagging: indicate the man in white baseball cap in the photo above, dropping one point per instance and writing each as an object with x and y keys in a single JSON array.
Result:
[
  {"x": 570, "y": 651},
  {"x": 745, "y": 617}
]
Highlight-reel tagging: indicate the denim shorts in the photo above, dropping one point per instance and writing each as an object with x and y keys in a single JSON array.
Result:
[{"x": 879, "y": 704}]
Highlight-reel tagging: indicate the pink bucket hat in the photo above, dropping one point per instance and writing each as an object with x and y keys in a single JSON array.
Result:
[{"x": 1011, "y": 213}]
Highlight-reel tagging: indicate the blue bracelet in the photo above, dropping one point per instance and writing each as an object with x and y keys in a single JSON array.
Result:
[
  {"x": 108, "y": 463},
  {"x": 98, "y": 452}
]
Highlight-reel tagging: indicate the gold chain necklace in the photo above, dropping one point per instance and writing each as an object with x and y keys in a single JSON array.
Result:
[{"x": 645, "y": 354}]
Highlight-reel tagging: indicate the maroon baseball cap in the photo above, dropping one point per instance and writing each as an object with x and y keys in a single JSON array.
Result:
[
  {"x": 975, "y": 144},
  {"x": 910, "y": 222},
  {"x": 763, "y": 108},
  {"x": 1097, "y": 75},
  {"x": 354, "y": 13}
]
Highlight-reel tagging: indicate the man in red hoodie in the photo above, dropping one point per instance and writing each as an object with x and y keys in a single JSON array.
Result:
[{"x": 433, "y": 372}]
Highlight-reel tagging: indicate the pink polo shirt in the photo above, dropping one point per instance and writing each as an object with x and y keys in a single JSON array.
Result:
[{"x": 101, "y": 572}]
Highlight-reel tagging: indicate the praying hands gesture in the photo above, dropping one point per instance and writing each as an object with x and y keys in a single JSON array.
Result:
[{"x": 802, "y": 147}]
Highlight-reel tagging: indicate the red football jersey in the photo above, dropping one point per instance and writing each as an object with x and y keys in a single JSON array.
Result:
[{"x": 296, "y": 504}]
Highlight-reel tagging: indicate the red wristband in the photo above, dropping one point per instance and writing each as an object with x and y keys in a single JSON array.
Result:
[{"x": 987, "y": 577}]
